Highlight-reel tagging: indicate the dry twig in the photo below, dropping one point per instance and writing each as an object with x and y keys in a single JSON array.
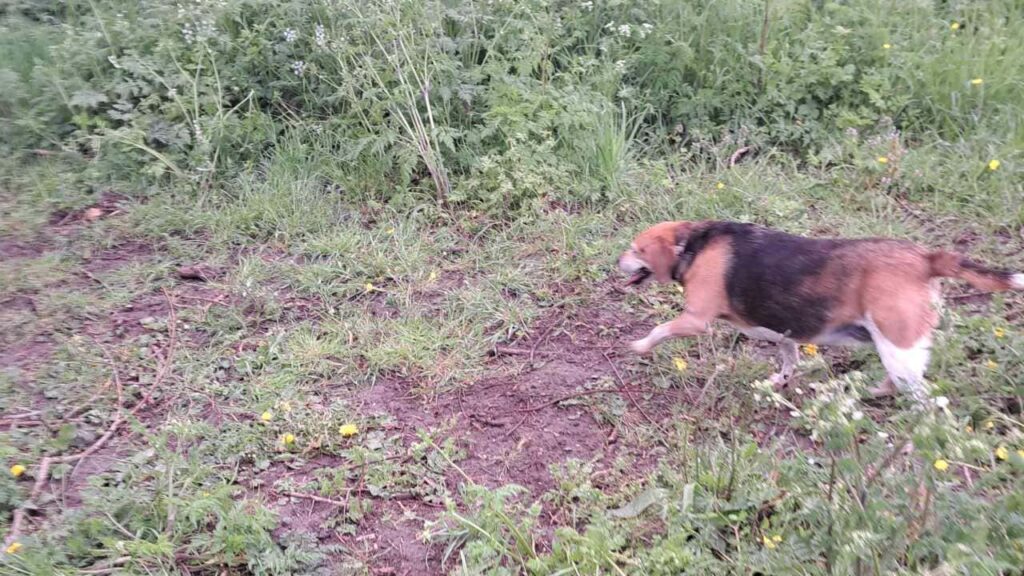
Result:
[{"x": 43, "y": 474}]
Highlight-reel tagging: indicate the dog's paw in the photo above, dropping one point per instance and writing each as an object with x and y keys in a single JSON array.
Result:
[
  {"x": 779, "y": 380},
  {"x": 640, "y": 347},
  {"x": 884, "y": 389}
]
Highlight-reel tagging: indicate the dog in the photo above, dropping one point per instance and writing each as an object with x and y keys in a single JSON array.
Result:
[{"x": 792, "y": 290}]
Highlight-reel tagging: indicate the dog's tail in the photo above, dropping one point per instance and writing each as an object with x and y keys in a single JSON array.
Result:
[{"x": 950, "y": 265}]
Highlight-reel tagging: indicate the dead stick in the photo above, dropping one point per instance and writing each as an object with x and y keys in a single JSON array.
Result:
[
  {"x": 70, "y": 416},
  {"x": 581, "y": 393},
  {"x": 516, "y": 427},
  {"x": 629, "y": 393},
  {"x": 737, "y": 155},
  {"x": 18, "y": 519},
  {"x": 570, "y": 397},
  {"x": 540, "y": 340},
  {"x": 315, "y": 498}
]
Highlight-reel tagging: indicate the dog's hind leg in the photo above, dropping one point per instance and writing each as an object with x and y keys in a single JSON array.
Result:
[
  {"x": 789, "y": 353},
  {"x": 902, "y": 332}
]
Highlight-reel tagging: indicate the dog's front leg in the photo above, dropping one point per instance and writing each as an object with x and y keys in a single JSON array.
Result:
[{"x": 688, "y": 324}]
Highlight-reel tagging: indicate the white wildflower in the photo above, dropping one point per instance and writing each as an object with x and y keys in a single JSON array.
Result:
[
  {"x": 588, "y": 6},
  {"x": 625, "y": 30},
  {"x": 289, "y": 35},
  {"x": 858, "y": 415},
  {"x": 320, "y": 36},
  {"x": 298, "y": 67},
  {"x": 942, "y": 401},
  {"x": 620, "y": 66}
]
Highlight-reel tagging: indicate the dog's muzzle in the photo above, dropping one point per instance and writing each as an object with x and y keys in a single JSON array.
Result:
[
  {"x": 638, "y": 277},
  {"x": 637, "y": 270}
]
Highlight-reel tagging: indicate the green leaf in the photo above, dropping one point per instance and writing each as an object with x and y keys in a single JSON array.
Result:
[
  {"x": 88, "y": 99},
  {"x": 642, "y": 502}
]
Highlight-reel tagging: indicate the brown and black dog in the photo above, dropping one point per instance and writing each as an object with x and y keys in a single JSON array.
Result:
[{"x": 790, "y": 289}]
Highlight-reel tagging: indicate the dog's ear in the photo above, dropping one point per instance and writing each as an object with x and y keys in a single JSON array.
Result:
[{"x": 682, "y": 234}]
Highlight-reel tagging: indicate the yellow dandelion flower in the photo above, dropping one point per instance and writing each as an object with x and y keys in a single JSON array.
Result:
[
  {"x": 369, "y": 287},
  {"x": 941, "y": 465},
  {"x": 977, "y": 81},
  {"x": 990, "y": 425},
  {"x": 348, "y": 430},
  {"x": 992, "y": 365},
  {"x": 810, "y": 349},
  {"x": 777, "y": 538},
  {"x": 1020, "y": 453},
  {"x": 433, "y": 275},
  {"x": 954, "y": 26},
  {"x": 720, "y": 186},
  {"x": 13, "y": 548},
  {"x": 769, "y": 543},
  {"x": 17, "y": 470},
  {"x": 999, "y": 332},
  {"x": 288, "y": 438},
  {"x": 680, "y": 364},
  {"x": 883, "y": 160},
  {"x": 391, "y": 231},
  {"x": 1002, "y": 453},
  {"x": 993, "y": 164},
  {"x": 886, "y": 46},
  {"x": 267, "y": 416}
]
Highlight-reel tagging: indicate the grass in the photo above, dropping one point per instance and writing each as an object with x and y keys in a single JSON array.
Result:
[
  {"x": 446, "y": 285},
  {"x": 288, "y": 325}
]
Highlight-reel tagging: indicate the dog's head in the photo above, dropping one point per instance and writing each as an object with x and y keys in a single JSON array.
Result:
[{"x": 655, "y": 252}]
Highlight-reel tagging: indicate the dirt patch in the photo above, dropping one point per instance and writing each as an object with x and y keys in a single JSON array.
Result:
[
  {"x": 511, "y": 424},
  {"x": 118, "y": 256},
  {"x": 11, "y": 249}
]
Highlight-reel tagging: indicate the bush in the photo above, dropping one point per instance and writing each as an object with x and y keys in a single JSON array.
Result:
[{"x": 493, "y": 105}]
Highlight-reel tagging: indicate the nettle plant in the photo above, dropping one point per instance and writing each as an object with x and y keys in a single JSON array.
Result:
[{"x": 918, "y": 492}]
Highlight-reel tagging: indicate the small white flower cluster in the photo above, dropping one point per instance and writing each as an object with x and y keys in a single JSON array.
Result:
[
  {"x": 289, "y": 35},
  {"x": 764, "y": 390},
  {"x": 199, "y": 24},
  {"x": 299, "y": 67},
  {"x": 198, "y": 31},
  {"x": 320, "y": 36},
  {"x": 200, "y": 136},
  {"x": 626, "y": 30},
  {"x": 588, "y": 6},
  {"x": 833, "y": 405}
]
